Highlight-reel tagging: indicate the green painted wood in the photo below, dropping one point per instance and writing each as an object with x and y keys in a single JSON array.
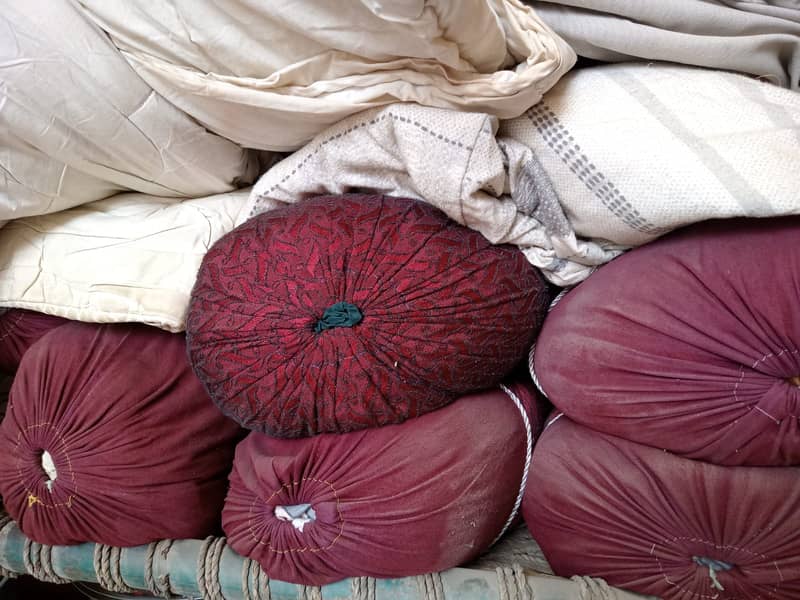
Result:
[{"x": 76, "y": 563}]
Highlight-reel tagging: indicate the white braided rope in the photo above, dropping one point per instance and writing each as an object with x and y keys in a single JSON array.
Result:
[
  {"x": 362, "y": 588},
  {"x": 532, "y": 351},
  {"x": 430, "y": 586},
  {"x": 512, "y": 583},
  {"x": 528, "y": 453}
]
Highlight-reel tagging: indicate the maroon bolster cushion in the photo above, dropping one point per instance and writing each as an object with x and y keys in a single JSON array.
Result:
[
  {"x": 690, "y": 344},
  {"x": 394, "y": 501},
  {"x": 19, "y": 328},
  {"x": 110, "y": 438},
  {"x": 660, "y": 524},
  {"x": 345, "y": 312}
]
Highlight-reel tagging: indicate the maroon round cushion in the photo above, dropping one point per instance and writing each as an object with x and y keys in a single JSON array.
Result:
[
  {"x": 110, "y": 438},
  {"x": 690, "y": 344},
  {"x": 660, "y": 524},
  {"x": 345, "y": 312},
  {"x": 407, "y": 499},
  {"x": 19, "y": 328}
]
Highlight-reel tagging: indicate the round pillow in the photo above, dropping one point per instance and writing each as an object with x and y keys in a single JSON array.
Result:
[
  {"x": 110, "y": 438},
  {"x": 690, "y": 343},
  {"x": 656, "y": 523},
  {"x": 345, "y": 312},
  {"x": 394, "y": 501},
  {"x": 19, "y": 328}
]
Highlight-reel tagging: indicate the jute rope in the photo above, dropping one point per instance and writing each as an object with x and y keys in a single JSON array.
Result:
[
  {"x": 252, "y": 571},
  {"x": 208, "y": 561},
  {"x": 45, "y": 558},
  {"x": 512, "y": 583},
  {"x": 38, "y": 562},
  {"x": 107, "y": 569},
  {"x": 592, "y": 588},
  {"x": 362, "y": 588},
  {"x": 310, "y": 592},
  {"x": 5, "y": 521},
  {"x": 158, "y": 586},
  {"x": 430, "y": 586}
]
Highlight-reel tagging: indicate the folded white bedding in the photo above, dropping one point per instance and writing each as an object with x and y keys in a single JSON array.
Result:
[
  {"x": 271, "y": 75},
  {"x": 132, "y": 257},
  {"x": 77, "y": 123}
]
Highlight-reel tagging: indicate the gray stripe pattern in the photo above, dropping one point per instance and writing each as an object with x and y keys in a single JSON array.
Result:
[
  {"x": 777, "y": 113},
  {"x": 560, "y": 140},
  {"x": 752, "y": 202}
]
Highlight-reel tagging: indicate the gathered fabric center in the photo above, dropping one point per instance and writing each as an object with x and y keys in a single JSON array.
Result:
[
  {"x": 341, "y": 314},
  {"x": 49, "y": 467},
  {"x": 299, "y": 515}
]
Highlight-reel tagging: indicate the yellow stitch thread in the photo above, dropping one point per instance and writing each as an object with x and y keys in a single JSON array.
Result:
[
  {"x": 68, "y": 502},
  {"x": 33, "y": 500}
]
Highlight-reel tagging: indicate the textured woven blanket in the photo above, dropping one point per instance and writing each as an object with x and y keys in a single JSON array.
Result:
[
  {"x": 759, "y": 37},
  {"x": 612, "y": 157}
]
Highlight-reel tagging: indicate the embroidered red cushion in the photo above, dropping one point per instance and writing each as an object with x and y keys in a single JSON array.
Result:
[
  {"x": 109, "y": 437},
  {"x": 660, "y": 524},
  {"x": 407, "y": 499},
  {"x": 690, "y": 344},
  {"x": 19, "y": 329},
  {"x": 340, "y": 313}
]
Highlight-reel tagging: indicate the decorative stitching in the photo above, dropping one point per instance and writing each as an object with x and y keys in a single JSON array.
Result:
[
  {"x": 12, "y": 326},
  {"x": 305, "y": 548},
  {"x": 560, "y": 140},
  {"x": 664, "y": 542},
  {"x": 32, "y": 498},
  {"x": 388, "y": 114},
  {"x": 753, "y": 367}
]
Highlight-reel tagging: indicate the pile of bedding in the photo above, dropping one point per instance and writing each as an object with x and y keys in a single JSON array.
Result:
[
  {"x": 365, "y": 341},
  {"x": 342, "y": 331},
  {"x": 670, "y": 467},
  {"x": 358, "y": 216},
  {"x": 572, "y": 167}
]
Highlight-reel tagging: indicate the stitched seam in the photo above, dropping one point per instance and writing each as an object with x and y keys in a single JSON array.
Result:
[
  {"x": 664, "y": 541},
  {"x": 752, "y": 367},
  {"x": 334, "y": 137},
  {"x": 12, "y": 326},
  {"x": 464, "y": 176},
  {"x": 29, "y": 492}
]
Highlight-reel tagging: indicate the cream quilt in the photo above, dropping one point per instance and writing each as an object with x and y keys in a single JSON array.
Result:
[
  {"x": 77, "y": 124},
  {"x": 272, "y": 75},
  {"x": 132, "y": 257}
]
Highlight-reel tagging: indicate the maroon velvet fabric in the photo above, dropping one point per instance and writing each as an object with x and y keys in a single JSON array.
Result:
[
  {"x": 637, "y": 516},
  {"x": 407, "y": 499},
  {"x": 444, "y": 313},
  {"x": 689, "y": 344},
  {"x": 141, "y": 453},
  {"x": 19, "y": 329}
]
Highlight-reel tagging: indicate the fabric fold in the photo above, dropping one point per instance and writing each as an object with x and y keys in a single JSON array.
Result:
[{"x": 273, "y": 75}]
